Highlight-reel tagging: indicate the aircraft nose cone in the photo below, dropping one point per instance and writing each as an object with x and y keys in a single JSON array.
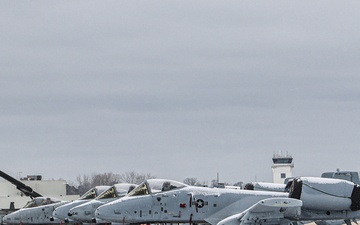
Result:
[
  {"x": 72, "y": 213},
  {"x": 55, "y": 213},
  {"x": 102, "y": 212},
  {"x": 62, "y": 212},
  {"x": 109, "y": 213},
  {"x": 3, "y": 220},
  {"x": 80, "y": 213},
  {"x": 11, "y": 218}
]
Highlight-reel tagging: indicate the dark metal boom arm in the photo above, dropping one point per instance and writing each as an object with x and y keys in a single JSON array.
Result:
[{"x": 28, "y": 191}]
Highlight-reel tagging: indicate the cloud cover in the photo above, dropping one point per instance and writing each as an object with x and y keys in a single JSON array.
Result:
[{"x": 178, "y": 89}]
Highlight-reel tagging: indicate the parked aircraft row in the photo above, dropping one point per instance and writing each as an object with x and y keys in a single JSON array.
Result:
[
  {"x": 167, "y": 201},
  {"x": 47, "y": 210}
]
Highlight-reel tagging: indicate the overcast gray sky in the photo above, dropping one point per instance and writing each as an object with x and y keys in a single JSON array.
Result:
[{"x": 179, "y": 88}]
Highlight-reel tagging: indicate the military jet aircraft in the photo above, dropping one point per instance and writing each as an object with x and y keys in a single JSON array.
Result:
[
  {"x": 37, "y": 211},
  {"x": 62, "y": 212},
  {"x": 85, "y": 213},
  {"x": 40, "y": 209},
  {"x": 166, "y": 201}
]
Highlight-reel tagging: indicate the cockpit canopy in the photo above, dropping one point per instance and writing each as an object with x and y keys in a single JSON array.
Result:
[
  {"x": 94, "y": 192},
  {"x": 155, "y": 186},
  {"x": 117, "y": 190},
  {"x": 39, "y": 201}
]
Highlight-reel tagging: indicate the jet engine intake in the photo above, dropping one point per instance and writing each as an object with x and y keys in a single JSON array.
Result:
[{"x": 326, "y": 193}]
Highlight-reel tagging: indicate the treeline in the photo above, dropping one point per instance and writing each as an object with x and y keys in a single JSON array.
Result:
[
  {"x": 86, "y": 182},
  {"x": 193, "y": 181}
]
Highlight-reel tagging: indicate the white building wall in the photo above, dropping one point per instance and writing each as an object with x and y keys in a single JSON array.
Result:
[
  {"x": 281, "y": 172},
  {"x": 51, "y": 188},
  {"x": 44, "y": 187}
]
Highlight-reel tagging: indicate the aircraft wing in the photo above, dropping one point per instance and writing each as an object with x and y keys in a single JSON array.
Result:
[
  {"x": 267, "y": 211},
  {"x": 336, "y": 222}
]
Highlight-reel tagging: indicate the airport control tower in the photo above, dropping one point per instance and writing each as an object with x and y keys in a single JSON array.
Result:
[{"x": 282, "y": 167}]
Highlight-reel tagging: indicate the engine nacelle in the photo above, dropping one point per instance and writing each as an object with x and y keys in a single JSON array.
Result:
[{"x": 326, "y": 193}]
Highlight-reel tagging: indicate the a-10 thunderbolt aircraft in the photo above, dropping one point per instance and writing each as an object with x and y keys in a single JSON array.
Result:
[
  {"x": 62, "y": 212},
  {"x": 37, "y": 211},
  {"x": 166, "y": 201},
  {"x": 85, "y": 213},
  {"x": 40, "y": 209}
]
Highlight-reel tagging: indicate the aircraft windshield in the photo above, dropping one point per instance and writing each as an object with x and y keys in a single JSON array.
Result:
[
  {"x": 142, "y": 189},
  {"x": 40, "y": 201},
  {"x": 94, "y": 192},
  {"x": 155, "y": 186},
  {"x": 123, "y": 189},
  {"x": 90, "y": 194},
  {"x": 117, "y": 190},
  {"x": 30, "y": 204},
  {"x": 109, "y": 193}
]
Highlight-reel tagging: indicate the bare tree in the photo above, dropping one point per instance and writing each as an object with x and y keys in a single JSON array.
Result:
[
  {"x": 249, "y": 186},
  {"x": 192, "y": 181},
  {"x": 133, "y": 177},
  {"x": 87, "y": 182},
  {"x": 214, "y": 183},
  {"x": 239, "y": 184},
  {"x": 105, "y": 179},
  {"x": 84, "y": 183}
]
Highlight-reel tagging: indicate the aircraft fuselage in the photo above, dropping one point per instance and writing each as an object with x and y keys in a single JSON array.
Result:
[{"x": 187, "y": 205}]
